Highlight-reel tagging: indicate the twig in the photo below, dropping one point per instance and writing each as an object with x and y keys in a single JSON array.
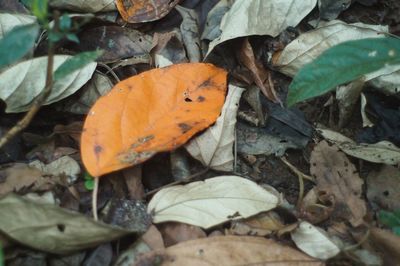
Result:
[
  {"x": 26, "y": 120},
  {"x": 94, "y": 197}
]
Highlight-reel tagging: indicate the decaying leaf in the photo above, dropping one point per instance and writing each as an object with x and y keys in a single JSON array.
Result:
[
  {"x": 9, "y": 21},
  {"x": 211, "y": 202},
  {"x": 382, "y": 188},
  {"x": 90, "y": 6},
  {"x": 137, "y": 11},
  {"x": 214, "y": 147},
  {"x": 310, "y": 45},
  {"x": 168, "y": 48},
  {"x": 262, "y": 224},
  {"x": 52, "y": 229},
  {"x": 62, "y": 166},
  {"x": 337, "y": 176},
  {"x": 23, "y": 82},
  {"x": 214, "y": 17},
  {"x": 381, "y": 152},
  {"x": 157, "y": 110},
  {"x": 330, "y": 9},
  {"x": 174, "y": 233},
  {"x": 226, "y": 251},
  {"x": 260, "y": 17},
  {"x": 314, "y": 241}
]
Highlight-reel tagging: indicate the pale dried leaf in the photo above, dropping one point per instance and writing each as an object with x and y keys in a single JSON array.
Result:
[
  {"x": 211, "y": 202},
  {"x": 214, "y": 17},
  {"x": 380, "y": 152},
  {"x": 9, "y": 21},
  {"x": 62, "y": 166},
  {"x": 227, "y": 251},
  {"x": 23, "y": 82},
  {"x": 90, "y": 6},
  {"x": 260, "y": 17},
  {"x": 214, "y": 148},
  {"x": 314, "y": 241},
  {"x": 337, "y": 176},
  {"x": 310, "y": 45},
  {"x": 52, "y": 229}
]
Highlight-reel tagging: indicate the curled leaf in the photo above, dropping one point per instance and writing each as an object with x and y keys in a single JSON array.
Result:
[
  {"x": 136, "y": 11},
  {"x": 155, "y": 111}
]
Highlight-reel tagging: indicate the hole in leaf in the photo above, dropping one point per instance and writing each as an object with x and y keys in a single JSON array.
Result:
[
  {"x": 61, "y": 227},
  {"x": 386, "y": 193},
  {"x": 187, "y": 99}
]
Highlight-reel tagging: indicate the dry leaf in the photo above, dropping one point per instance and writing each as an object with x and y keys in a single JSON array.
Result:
[
  {"x": 381, "y": 152},
  {"x": 310, "y": 45},
  {"x": 259, "y": 73},
  {"x": 23, "y": 82},
  {"x": 263, "y": 224},
  {"x": 153, "y": 238},
  {"x": 388, "y": 243},
  {"x": 137, "y": 11},
  {"x": 90, "y": 6},
  {"x": 174, "y": 233},
  {"x": 260, "y": 17},
  {"x": 62, "y": 166},
  {"x": 337, "y": 176},
  {"x": 314, "y": 241},
  {"x": 214, "y": 147},
  {"x": 214, "y": 17},
  {"x": 211, "y": 202},
  {"x": 227, "y": 251},
  {"x": 158, "y": 110}
]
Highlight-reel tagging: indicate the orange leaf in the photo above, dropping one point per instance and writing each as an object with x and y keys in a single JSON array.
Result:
[
  {"x": 137, "y": 11},
  {"x": 158, "y": 110}
]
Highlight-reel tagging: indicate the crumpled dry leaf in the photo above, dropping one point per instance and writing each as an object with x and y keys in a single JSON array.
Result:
[
  {"x": 310, "y": 45},
  {"x": 214, "y": 17},
  {"x": 20, "y": 176},
  {"x": 211, "y": 202},
  {"x": 381, "y": 152},
  {"x": 23, "y": 82},
  {"x": 260, "y": 75},
  {"x": 260, "y": 17},
  {"x": 337, "y": 176},
  {"x": 52, "y": 229},
  {"x": 62, "y": 166},
  {"x": 227, "y": 251},
  {"x": 174, "y": 233},
  {"x": 168, "y": 48},
  {"x": 90, "y": 6},
  {"x": 9, "y": 21},
  {"x": 263, "y": 224},
  {"x": 214, "y": 147},
  {"x": 137, "y": 11},
  {"x": 190, "y": 33},
  {"x": 382, "y": 188},
  {"x": 314, "y": 241}
]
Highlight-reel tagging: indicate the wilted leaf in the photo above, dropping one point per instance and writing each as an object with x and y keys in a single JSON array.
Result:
[
  {"x": 9, "y": 21},
  {"x": 314, "y": 241},
  {"x": 381, "y": 152},
  {"x": 214, "y": 147},
  {"x": 227, "y": 251},
  {"x": 17, "y": 42},
  {"x": 137, "y": 11},
  {"x": 90, "y": 6},
  {"x": 52, "y": 229},
  {"x": 308, "y": 46},
  {"x": 23, "y": 82},
  {"x": 211, "y": 202},
  {"x": 260, "y": 17},
  {"x": 62, "y": 166},
  {"x": 337, "y": 176},
  {"x": 159, "y": 109},
  {"x": 343, "y": 63},
  {"x": 75, "y": 63}
]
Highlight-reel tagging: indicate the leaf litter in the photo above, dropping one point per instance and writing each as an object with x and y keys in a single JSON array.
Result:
[{"x": 208, "y": 180}]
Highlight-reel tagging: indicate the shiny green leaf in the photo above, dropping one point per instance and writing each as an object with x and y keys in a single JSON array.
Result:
[{"x": 343, "y": 63}]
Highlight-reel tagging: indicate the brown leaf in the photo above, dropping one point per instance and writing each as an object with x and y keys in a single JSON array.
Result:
[
  {"x": 174, "y": 233},
  {"x": 133, "y": 179},
  {"x": 153, "y": 238},
  {"x": 337, "y": 176},
  {"x": 228, "y": 250},
  {"x": 262, "y": 224},
  {"x": 388, "y": 243},
  {"x": 137, "y": 11},
  {"x": 260, "y": 75}
]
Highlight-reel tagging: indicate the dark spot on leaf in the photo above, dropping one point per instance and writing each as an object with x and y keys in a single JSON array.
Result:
[
  {"x": 146, "y": 139},
  {"x": 206, "y": 83},
  {"x": 187, "y": 99},
  {"x": 235, "y": 215},
  {"x": 61, "y": 227},
  {"x": 184, "y": 127},
  {"x": 98, "y": 149},
  {"x": 200, "y": 99},
  {"x": 386, "y": 193}
]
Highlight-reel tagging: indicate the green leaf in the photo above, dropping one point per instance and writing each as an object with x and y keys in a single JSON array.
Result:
[
  {"x": 17, "y": 43},
  {"x": 342, "y": 63},
  {"x": 390, "y": 219},
  {"x": 65, "y": 22},
  {"x": 75, "y": 63},
  {"x": 39, "y": 9},
  {"x": 72, "y": 37},
  {"x": 89, "y": 181}
]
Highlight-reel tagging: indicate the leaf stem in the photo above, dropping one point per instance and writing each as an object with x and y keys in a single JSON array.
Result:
[{"x": 94, "y": 198}]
